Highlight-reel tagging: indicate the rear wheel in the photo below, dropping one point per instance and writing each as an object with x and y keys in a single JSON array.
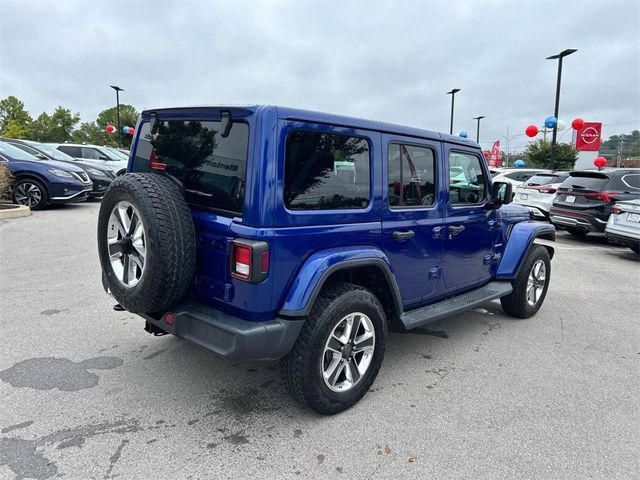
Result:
[
  {"x": 530, "y": 286},
  {"x": 31, "y": 193},
  {"x": 577, "y": 232},
  {"x": 339, "y": 351}
]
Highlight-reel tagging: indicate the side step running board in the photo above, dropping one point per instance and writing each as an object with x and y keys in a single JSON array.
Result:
[{"x": 452, "y": 306}]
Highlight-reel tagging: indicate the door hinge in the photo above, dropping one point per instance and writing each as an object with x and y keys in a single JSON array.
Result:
[
  {"x": 487, "y": 259},
  {"x": 437, "y": 232},
  {"x": 435, "y": 272}
]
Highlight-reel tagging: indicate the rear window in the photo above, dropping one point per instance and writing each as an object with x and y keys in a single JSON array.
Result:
[
  {"x": 544, "y": 179},
  {"x": 212, "y": 168},
  {"x": 586, "y": 181},
  {"x": 326, "y": 171}
]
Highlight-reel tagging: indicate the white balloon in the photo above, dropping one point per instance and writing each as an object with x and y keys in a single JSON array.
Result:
[{"x": 561, "y": 125}]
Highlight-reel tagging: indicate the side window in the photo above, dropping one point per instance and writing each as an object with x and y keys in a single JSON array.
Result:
[
  {"x": 471, "y": 187},
  {"x": 73, "y": 151},
  {"x": 326, "y": 171},
  {"x": 91, "y": 153},
  {"x": 412, "y": 176},
  {"x": 632, "y": 181},
  {"x": 514, "y": 175}
]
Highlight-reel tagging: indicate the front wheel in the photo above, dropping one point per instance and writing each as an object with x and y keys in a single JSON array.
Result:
[
  {"x": 31, "y": 193},
  {"x": 530, "y": 286},
  {"x": 339, "y": 351}
]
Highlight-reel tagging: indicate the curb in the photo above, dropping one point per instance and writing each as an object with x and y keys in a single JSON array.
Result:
[{"x": 19, "y": 211}]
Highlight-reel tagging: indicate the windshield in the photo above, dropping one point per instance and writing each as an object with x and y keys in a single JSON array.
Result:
[
  {"x": 15, "y": 153},
  {"x": 52, "y": 152}
]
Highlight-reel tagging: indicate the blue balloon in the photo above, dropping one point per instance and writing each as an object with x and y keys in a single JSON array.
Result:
[
  {"x": 125, "y": 129},
  {"x": 550, "y": 122},
  {"x": 463, "y": 134},
  {"x": 518, "y": 163}
]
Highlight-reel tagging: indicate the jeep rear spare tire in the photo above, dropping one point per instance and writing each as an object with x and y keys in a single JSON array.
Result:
[{"x": 146, "y": 242}]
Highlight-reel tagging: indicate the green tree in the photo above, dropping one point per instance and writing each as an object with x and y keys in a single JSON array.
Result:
[
  {"x": 57, "y": 127},
  {"x": 12, "y": 112},
  {"x": 15, "y": 129},
  {"x": 538, "y": 155},
  {"x": 625, "y": 146},
  {"x": 95, "y": 132}
]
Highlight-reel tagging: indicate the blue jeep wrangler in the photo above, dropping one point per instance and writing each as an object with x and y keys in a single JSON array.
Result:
[{"x": 263, "y": 232}]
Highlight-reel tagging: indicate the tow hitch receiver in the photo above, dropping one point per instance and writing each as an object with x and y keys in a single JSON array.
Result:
[{"x": 154, "y": 330}]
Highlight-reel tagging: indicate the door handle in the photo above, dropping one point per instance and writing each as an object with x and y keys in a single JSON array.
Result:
[
  {"x": 400, "y": 236},
  {"x": 455, "y": 230}
]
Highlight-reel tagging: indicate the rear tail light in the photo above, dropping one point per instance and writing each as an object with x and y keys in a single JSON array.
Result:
[
  {"x": 616, "y": 210},
  {"x": 249, "y": 260},
  {"x": 169, "y": 318},
  {"x": 542, "y": 188},
  {"x": 154, "y": 163},
  {"x": 606, "y": 197}
]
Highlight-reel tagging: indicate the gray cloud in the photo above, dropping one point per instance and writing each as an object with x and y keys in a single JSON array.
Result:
[{"x": 390, "y": 61}]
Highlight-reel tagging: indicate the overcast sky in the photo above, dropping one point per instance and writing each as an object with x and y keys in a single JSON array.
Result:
[{"x": 390, "y": 61}]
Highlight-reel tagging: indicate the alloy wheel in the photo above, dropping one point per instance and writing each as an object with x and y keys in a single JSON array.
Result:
[
  {"x": 28, "y": 194},
  {"x": 536, "y": 282},
  {"x": 127, "y": 243},
  {"x": 348, "y": 352}
]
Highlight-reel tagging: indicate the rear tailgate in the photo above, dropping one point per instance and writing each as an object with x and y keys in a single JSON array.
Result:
[
  {"x": 583, "y": 190},
  {"x": 212, "y": 170}
]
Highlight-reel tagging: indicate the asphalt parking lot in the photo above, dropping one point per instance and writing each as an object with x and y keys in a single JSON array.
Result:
[{"x": 86, "y": 393}]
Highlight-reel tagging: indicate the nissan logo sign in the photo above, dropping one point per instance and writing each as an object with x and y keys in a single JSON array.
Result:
[{"x": 589, "y": 135}]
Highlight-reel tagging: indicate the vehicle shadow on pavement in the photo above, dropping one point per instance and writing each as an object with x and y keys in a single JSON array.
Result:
[{"x": 240, "y": 389}]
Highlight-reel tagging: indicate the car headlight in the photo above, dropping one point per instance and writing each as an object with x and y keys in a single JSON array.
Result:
[
  {"x": 95, "y": 173},
  {"x": 60, "y": 173}
]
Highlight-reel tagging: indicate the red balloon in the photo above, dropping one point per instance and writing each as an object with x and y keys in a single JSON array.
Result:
[
  {"x": 110, "y": 128},
  {"x": 600, "y": 162},
  {"x": 131, "y": 130},
  {"x": 531, "y": 131},
  {"x": 577, "y": 124},
  {"x": 485, "y": 153}
]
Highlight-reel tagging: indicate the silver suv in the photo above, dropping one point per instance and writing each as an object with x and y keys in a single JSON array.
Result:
[{"x": 101, "y": 156}]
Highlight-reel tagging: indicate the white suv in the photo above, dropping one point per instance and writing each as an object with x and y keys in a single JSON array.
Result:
[
  {"x": 538, "y": 192},
  {"x": 101, "y": 156}
]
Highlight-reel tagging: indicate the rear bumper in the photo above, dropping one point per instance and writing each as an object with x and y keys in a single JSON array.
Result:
[
  {"x": 622, "y": 239},
  {"x": 571, "y": 218},
  {"x": 227, "y": 336}
]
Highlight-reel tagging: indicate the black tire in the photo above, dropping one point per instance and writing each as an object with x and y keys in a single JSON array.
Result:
[
  {"x": 303, "y": 367},
  {"x": 169, "y": 263},
  {"x": 577, "y": 232},
  {"x": 24, "y": 182},
  {"x": 516, "y": 303}
]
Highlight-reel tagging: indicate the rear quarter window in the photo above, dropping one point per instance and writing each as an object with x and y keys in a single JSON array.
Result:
[
  {"x": 326, "y": 171},
  {"x": 212, "y": 168}
]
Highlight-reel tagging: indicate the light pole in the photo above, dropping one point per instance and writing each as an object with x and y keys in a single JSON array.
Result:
[
  {"x": 559, "y": 57},
  {"x": 453, "y": 94},
  {"x": 118, "y": 90},
  {"x": 478, "y": 128}
]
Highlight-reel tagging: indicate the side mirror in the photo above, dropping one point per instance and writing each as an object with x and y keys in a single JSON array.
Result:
[{"x": 502, "y": 193}]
